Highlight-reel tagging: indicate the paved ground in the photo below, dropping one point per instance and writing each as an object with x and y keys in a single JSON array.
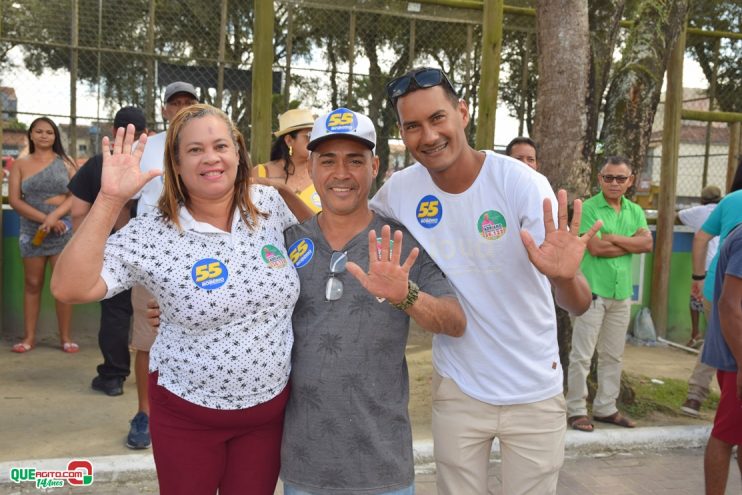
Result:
[
  {"x": 49, "y": 411},
  {"x": 676, "y": 472}
]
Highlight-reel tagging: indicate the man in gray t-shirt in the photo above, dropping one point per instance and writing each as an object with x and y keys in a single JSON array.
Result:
[{"x": 346, "y": 428}]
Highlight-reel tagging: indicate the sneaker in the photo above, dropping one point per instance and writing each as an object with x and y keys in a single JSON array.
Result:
[
  {"x": 691, "y": 407},
  {"x": 138, "y": 437},
  {"x": 109, "y": 386}
]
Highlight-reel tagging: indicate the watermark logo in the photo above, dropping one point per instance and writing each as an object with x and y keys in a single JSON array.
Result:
[{"x": 78, "y": 473}]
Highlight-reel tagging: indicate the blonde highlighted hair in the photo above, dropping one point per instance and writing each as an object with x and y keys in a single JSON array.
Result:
[{"x": 174, "y": 192}]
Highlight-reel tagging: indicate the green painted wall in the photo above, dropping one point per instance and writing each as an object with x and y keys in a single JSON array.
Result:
[{"x": 85, "y": 317}]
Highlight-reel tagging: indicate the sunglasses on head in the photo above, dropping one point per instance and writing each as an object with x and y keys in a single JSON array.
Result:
[
  {"x": 620, "y": 179},
  {"x": 426, "y": 77}
]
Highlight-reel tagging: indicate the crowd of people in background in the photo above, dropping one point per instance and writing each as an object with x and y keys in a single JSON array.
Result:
[{"x": 270, "y": 304}]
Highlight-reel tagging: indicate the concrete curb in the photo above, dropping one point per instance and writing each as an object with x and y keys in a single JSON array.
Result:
[{"x": 602, "y": 440}]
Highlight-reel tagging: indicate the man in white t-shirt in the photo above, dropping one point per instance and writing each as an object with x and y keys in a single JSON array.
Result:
[
  {"x": 178, "y": 95},
  {"x": 694, "y": 218},
  {"x": 481, "y": 219},
  {"x": 699, "y": 382}
]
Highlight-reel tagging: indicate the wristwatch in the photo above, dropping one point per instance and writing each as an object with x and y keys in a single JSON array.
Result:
[
  {"x": 412, "y": 292},
  {"x": 698, "y": 277}
]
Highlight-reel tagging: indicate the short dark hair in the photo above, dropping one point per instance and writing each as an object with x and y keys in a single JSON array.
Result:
[
  {"x": 617, "y": 160},
  {"x": 521, "y": 140},
  {"x": 737, "y": 180},
  {"x": 446, "y": 85}
]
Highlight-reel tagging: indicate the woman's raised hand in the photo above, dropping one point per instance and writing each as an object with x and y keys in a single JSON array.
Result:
[{"x": 122, "y": 178}]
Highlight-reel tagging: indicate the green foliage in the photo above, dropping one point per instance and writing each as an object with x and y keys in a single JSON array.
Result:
[
  {"x": 519, "y": 93},
  {"x": 718, "y": 15},
  {"x": 14, "y": 125}
]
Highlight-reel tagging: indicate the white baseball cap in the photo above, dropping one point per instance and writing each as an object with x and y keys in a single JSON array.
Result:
[{"x": 342, "y": 122}]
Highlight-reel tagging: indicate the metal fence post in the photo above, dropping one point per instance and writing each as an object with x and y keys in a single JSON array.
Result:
[
  {"x": 735, "y": 135},
  {"x": 149, "y": 101},
  {"x": 72, "y": 151},
  {"x": 351, "y": 56},
  {"x": 222, "y": 43}
]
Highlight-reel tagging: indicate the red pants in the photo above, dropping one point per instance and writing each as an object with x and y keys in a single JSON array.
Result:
[{"x": 199, "y": 450}]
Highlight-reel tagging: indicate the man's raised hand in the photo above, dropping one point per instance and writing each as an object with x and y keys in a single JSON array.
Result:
[
  {"x": 387, "y": 277},
  {"x": 560, "y": 254}
]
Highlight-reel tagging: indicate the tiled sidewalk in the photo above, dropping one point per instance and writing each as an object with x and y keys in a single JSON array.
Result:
[{"x": 676, "y": 472}]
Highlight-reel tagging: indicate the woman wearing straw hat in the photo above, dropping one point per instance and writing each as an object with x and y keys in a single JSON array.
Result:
[{"x": 290, "y": 158}]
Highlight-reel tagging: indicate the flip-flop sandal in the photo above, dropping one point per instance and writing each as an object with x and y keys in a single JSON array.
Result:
[
  {"x": 70, "y": 347},
  {"x": 21, "y": 347},
  {"x": 616, "y": 419},
  {"x": 580, "y": 423}
]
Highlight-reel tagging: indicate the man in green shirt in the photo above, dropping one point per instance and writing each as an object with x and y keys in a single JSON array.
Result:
[{"x": 607, "y": 268}]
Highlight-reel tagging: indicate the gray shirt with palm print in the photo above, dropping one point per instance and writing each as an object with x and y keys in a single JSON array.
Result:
[{"x": 347, "y": 430}]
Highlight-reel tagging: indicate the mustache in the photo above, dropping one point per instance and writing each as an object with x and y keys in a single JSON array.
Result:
[{"x": 343, "y": 184}]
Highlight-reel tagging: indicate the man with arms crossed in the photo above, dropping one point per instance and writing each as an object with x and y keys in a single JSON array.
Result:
[
  {"x": 481, "y": 220},
  {"x": 607, "y": 267},
  {"x": 722, "y": 350}
]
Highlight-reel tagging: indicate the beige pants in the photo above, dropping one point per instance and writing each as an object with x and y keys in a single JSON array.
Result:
[
  {"x": 142, "y": 335},
  {"x": 604, "y": 326},
  {"x": 700, "y": 380},
  {"x": 531, "y": 442}
]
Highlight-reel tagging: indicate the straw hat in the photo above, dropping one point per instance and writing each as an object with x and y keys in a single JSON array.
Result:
[{"x": 292, "y": 120}]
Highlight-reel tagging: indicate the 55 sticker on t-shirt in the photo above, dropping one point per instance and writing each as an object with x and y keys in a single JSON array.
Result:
[
  {"x": 429, "y": 211},
  {"x": 301, "y": 252},
  {"x": 209, "y": 273}
]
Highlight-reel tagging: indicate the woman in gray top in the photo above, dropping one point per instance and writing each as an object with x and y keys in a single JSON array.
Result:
[{"x": 38, "y": 192}]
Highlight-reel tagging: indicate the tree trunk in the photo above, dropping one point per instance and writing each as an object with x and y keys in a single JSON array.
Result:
[
  {"x": 561, "y": 98},
  {"x": 561, "y": 108},
  {"x": 635, "y": 89},
  {"x": 604, "y": 17}
]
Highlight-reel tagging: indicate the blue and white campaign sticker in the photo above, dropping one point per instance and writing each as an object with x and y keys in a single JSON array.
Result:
[
  {"x": 341, "y": 120},
  {"x": 209, "y": 273},
  {"x": 301, "y": 252},
  {"x": 429, "y": 211}
]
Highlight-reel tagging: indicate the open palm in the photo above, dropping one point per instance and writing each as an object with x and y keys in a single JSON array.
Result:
[
  {"x": 121, "y": 177},
  {"x": 559, "y": 256},
  {"x": 386, "y": 277}
]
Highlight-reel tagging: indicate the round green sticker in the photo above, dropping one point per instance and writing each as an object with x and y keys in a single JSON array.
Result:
[
  {"x": 491, "y": 225},
  {"x": 273, "y": 256}
]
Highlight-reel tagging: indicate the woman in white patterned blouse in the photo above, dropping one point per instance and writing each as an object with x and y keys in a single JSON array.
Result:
[{"x": 214, "y": 257}]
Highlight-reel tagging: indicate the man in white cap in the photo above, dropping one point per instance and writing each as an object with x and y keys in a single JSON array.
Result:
[{"x": 347, "y": 428}]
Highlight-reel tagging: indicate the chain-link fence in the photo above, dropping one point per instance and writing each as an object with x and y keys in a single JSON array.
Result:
[{"x": 326, "y": 54}]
